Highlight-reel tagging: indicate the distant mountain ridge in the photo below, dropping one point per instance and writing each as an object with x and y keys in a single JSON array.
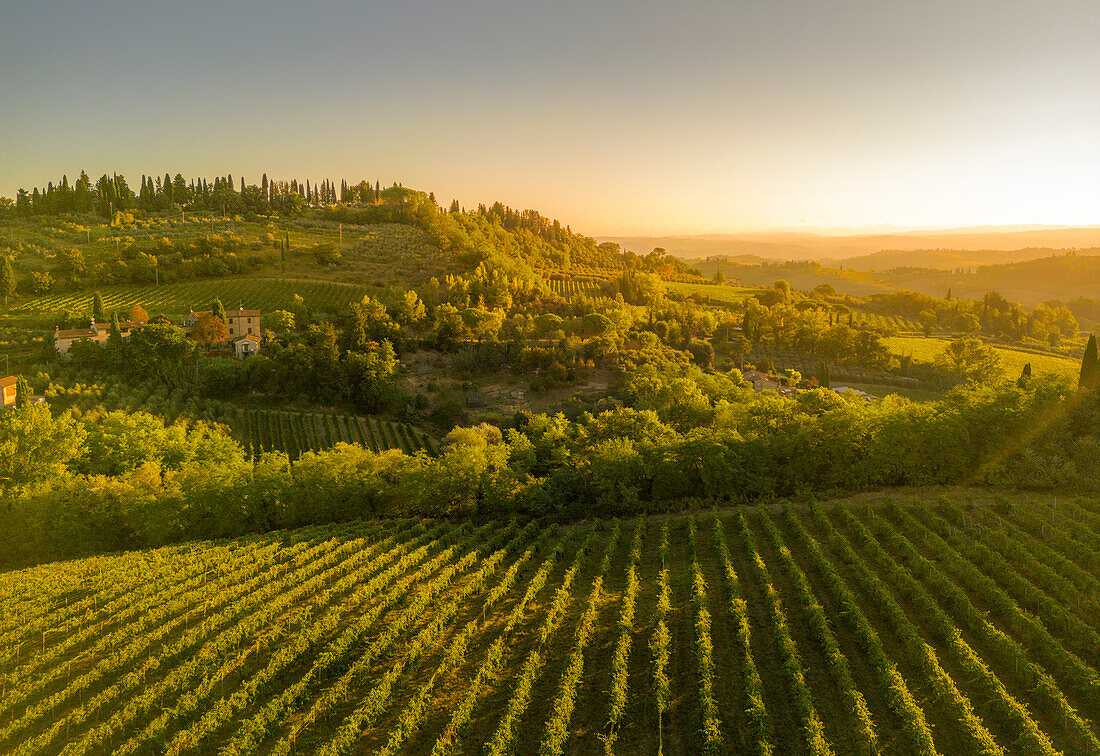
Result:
[{"x": 939, "y": 249}]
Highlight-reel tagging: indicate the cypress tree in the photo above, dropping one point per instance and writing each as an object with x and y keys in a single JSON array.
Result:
[
  {"x": 217, "y": 309},
  {"x": 823, "y": 378},
  {"x": 1090, "y": 368},
  {"x": 97, "y": 308},
  {"x": 7, "y": 280},
  {"x": 22, "y": 393},
  {"x": 1025, "y": 376},
  {"x": 114, "y": 338}
]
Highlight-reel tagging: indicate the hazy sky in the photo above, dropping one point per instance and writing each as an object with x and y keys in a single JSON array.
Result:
[{"x": 616, "y": 117}]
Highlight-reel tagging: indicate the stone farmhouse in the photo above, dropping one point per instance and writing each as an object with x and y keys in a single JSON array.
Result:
[
  {"x": 97, "y": 332},
  {"x": 243, "y": 327},
  {"x": 240, "y": 322}
]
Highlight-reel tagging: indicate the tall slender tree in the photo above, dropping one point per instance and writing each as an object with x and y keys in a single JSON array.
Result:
[
  {"x": 97, "y": 308},
  {"x": 1090, "y": 367},
  {"x": 7, "y": 280},
  {"x": 217, "y": 309},
  {"x": 22, "y": 393}
]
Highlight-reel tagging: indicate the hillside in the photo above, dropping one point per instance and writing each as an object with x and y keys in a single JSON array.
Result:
[
  {"x": 1060, "y": 277},
  {"x": 864, "y": 627}
]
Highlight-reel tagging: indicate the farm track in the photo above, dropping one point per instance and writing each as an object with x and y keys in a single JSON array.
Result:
[{"x": 939, "y": 629}]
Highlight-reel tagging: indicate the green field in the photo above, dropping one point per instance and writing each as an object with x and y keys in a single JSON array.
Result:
[
  {"x": 264, "y": 294},
  {"x": 927, "y": 349},
  {"x": 856, "y": 629},
  {"x": 722, "y": 294}
]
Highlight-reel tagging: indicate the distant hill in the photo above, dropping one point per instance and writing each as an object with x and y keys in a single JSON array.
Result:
[
  {"x": 794, "y": 245},
  {"x": 952, "y": 259},
  {"x": 1063, "y": 277}
]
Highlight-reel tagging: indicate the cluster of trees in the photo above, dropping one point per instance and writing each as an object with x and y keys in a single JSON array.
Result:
[
  {"x": 814, "y": 328},
  {"x": 127, "y": 481},
  {"x": 112, "y": 194},
  {"x": 992, "y": 316}
]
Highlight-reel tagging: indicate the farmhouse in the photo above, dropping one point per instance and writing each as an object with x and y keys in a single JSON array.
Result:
[
  {"x": 242, "y": 326},
  {"x": 7, "y": 390},
  {"x": 97, "y": 332},
  {"x": 239, "y": 322},
  {"x": 760, "y": 381},
  {"x": 246, "y": 346}
]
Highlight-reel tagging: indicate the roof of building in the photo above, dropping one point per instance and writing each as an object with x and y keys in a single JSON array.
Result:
[
  {"x": 243, "y": 313},
  {"x": 11, "y": 380},
  {"x": 79, "y": 333},
  {"x": 249, "y": 337}
]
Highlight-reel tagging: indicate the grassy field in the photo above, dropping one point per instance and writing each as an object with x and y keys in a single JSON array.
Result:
[
  {"x": 721, "y": 294},
  {"x": 912, "y": 627},
  {"x": 927, "y": 349}
]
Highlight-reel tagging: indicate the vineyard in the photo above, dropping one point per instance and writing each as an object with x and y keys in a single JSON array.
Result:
[
  {"x": 264, "y": 294},
  {"x": 577, "y": 286},
  {"x": 916, "y": 628},
  {"x": 258, "y": 430},
  {"x": 299, "y": 432}
]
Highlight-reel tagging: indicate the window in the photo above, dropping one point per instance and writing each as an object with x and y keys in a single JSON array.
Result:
[
  {"x": 249, "y": 331},
  {"x": 250, "y": 323},
  {"x": 231, "y": 330}
]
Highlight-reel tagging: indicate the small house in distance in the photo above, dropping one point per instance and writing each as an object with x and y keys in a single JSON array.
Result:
[
  {"x": 246, "y": 346},
  {"x": 760, "y": 381},
  {"x": 243, "y": 322},
  {"x": 242, "y": 330},
  {"x": 97, "y": 332},
  {"x": 239, "y": 322},
  {"x": 8, "y": 390}
]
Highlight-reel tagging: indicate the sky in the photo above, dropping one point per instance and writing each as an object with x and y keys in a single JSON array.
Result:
[{"x": 615, "y": 117}]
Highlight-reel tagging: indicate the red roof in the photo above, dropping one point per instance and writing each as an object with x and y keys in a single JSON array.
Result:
[
  {"x": 249, "y": 337},
  {"x": 243, "y": 313},
  {"x": 8, "y": 382}
]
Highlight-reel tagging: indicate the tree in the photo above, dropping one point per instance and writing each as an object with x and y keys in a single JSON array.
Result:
[
  {"x": 160, "y": 352},
  {"x": 823, "y": 379},
  {"x": 34, "y": 445},
  {"x": 7, "y": 280},
  {"x": 1090, "y": 366},
  {"x": 138, "y": 314},
  {"x": 114, "y": 338},
  {"x": 928, "y": 320},
  {"x": 970, "y": 360},
  {"x": 209, "y": 330},
  {"x": 410, "y": 310},
  {"x": 22, "y": 393},
  {"x": 784, "y": 289},
  {"x": 97, "y": 308},
  {"x": 719, "y": 277},
  {"x": 217, "y": 309},
  {"x": 1025, "y": 376},
  {"x": 280, "y": 321},
  {"x": 41, "y": 282}
]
